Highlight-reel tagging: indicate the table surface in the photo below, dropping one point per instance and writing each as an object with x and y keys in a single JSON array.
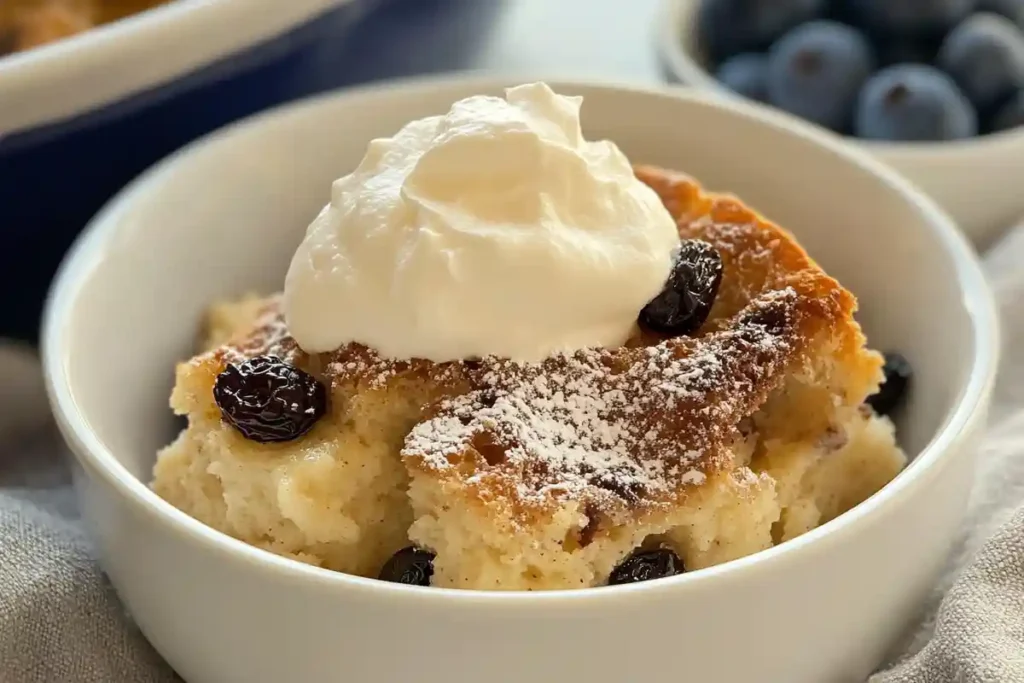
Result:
[{"x": 604, "y": 39}]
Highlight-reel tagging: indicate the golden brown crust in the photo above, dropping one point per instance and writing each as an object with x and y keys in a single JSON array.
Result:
[
  {"x": 758, "y": 255},
  {"x": 624, "y": 432}
]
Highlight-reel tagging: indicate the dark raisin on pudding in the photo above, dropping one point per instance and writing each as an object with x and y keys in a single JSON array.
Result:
[
  {"x": 411, "y": 566},
  {"x": 894, "y": 388},
  {"x": 685, "y": 302},
  {"x": 646, "y": 565},
  {"x": 269, "y": 400}
]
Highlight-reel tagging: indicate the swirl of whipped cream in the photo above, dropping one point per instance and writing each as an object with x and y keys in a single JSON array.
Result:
[{"x": 495, "y": 229}]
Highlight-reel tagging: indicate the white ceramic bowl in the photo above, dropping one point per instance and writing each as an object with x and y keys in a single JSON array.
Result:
[
  {"x": 975, "y": 181},
  {"x": 93, "y": 69},
  {"x": 224, "y": 215}
]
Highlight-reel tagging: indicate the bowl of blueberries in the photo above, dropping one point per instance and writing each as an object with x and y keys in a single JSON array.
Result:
[{"x": 935, "y": 88}]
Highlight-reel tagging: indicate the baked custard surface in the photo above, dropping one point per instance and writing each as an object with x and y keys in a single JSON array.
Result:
[{"x": 539, "y": 476}]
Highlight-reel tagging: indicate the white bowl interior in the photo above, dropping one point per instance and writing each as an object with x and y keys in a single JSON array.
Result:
[{"x": 224, "y": 216}]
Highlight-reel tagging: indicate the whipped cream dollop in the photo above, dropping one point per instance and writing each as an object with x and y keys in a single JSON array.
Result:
[{"x": 495, "y": 229}]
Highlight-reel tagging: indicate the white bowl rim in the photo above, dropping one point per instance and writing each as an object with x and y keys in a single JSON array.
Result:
[
  {"x": 92, "y": 454},
  {"x": 688, "y": 71},
  {"x": 165, "y": 42}
]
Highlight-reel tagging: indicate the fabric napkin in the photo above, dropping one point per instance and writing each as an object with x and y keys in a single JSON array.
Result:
[{"x": 60, "y": 621}]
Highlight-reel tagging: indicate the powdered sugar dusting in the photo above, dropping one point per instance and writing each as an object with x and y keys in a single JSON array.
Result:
[
  {"x": 606, "y": 426},
  {"x": 631, "y": 424},
  {"x": 270, "y": 338}
]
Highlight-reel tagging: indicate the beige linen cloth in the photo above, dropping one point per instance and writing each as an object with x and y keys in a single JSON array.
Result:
[{"x": 60, "y": 621}]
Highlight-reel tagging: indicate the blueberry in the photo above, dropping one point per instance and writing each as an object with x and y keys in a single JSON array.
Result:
[
  {"x": 893, "y": 391},
  {"x": 746, "y": 74},
  {"x": 684, "y": 303},
  {"x": 269, "y": 400},
  {"x": 1010, "y": 115},
  {"x": 645, "y": 565},
  {"x": 411, "y": 566},
  {"x": 1011, "y": 9},
  {"x": 816, "y": 70},
  {"x": 908, "y": 17},
  {"x": 985, "y": 56},
  {"x": 913, "y": 102},
  {"x": 730, "y": 27}
]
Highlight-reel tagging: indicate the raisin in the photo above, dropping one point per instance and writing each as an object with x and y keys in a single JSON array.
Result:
[
  {"x": 646, "y": 565},
  {"x": 269, "y": 400},
  {"x": 686, "y": 299},
  {"x": 411, "y": 566}
]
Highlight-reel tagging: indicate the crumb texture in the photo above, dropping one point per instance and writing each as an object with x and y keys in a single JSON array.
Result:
[{"x": 539, "y": 476}]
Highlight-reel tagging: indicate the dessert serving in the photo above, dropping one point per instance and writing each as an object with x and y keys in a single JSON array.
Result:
[
  {"x": 504, "y": 358},
  {"x": 26, "y": 24}
]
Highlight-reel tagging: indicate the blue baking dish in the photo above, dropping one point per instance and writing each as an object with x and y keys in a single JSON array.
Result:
[{"x": 81, "y": 117}]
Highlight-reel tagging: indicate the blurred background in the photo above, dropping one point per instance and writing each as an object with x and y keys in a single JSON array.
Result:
[
  {"x": 60, "y": 160},
  {"x": 93, "y": 92}
]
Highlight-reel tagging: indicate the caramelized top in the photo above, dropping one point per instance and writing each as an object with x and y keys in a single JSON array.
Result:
[{"x": 621, "y": 430}]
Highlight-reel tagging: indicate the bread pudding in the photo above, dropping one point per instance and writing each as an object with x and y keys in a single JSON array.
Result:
[{"x": 740, "y": 410}]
